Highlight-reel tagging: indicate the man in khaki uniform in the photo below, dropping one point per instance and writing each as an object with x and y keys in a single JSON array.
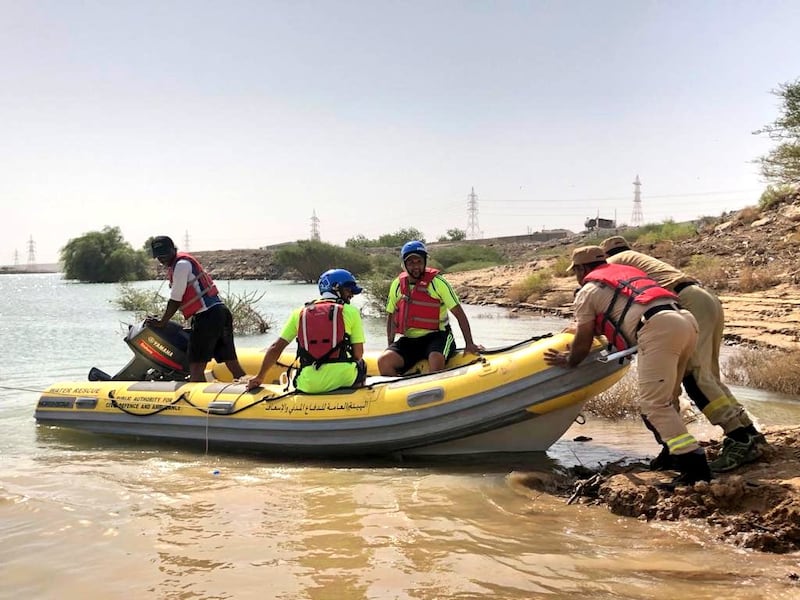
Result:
[
  {"x": 629, "y": 308},
  {"x": 743, "y": 443}
]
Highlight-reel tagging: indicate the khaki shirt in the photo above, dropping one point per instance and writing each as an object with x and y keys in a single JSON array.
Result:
[
  {"x": 593, "y": 299},
  {"x": 664, "y": 274}
]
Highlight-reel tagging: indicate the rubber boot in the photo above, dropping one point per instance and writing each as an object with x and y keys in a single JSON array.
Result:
[
  {"x": 664, "y": 461},
  {"x": 693, "y": 467}
]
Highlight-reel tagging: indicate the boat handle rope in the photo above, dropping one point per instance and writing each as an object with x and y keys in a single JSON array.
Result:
[{"x": 534, "y": 338}]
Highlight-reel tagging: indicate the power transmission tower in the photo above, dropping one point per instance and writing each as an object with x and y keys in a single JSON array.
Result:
[
  {"x": 636, "y": 217},
  {"x": 16, "y": 258},
  {"x": 473, "y": 230},
  {"x": 186, "y": 241},
  {"x": 31, "y": 252},
  {"x": 314, "y": 226}
]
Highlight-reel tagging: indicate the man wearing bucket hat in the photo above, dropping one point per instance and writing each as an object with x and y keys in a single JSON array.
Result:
[
  {"x": 743, "y": 443},
  {"x": 193, "y": 292},
  {"x": 419, "y": 300},
  {"x": 628, "y": 308}
]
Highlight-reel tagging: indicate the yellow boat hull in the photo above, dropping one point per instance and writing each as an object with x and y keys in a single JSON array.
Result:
[{"x": 507, "y": 400}]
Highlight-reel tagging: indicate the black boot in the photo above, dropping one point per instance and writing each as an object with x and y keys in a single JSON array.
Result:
[
  {"x": 693, "y": 467},
  {"x": 664, "y": 461}
]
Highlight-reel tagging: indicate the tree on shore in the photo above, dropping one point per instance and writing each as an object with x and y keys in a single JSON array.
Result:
[
  {"x": 103, "y": 257},
  {"x": 453, "y": 235},
  {"x": 387, "y": 240},
  {"x": 311, "y": 258},
  {"x": 782, "y": 164}
]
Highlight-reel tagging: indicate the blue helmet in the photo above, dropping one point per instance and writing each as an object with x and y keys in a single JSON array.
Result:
[
  {"x": 413, "y": 247},
  {"x": 334, "y": 279}
]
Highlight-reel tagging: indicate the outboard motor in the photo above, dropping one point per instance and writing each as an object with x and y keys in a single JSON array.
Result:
[{"x": 159, "y": 354}]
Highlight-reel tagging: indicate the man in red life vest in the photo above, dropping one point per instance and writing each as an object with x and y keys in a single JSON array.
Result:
[
  {"x": 330, "y": 339},
  {"x": 419, "y": 300},
  {"x": 193, "y": 292},
  {"x": 630, "y": 308},
  {"x": 743, "y": 442}
]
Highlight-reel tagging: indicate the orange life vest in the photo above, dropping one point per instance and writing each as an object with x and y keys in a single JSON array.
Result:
[
  {"x": 321, "y": 335},
  {"x": 200, "y": 290},
  {"x": 416, "y": 308},
  {"x": 630, "y": 285}
]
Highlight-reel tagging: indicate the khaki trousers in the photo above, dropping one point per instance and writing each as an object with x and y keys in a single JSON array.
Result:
[
  {"x": 703, "y": 382},
  {"x": 666, "y": 342}
]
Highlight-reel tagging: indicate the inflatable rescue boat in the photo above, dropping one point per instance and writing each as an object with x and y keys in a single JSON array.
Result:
[{"x": 505, "y": 400}]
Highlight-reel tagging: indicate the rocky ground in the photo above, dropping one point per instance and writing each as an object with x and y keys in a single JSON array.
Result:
[{"x": 757, "y": 506}]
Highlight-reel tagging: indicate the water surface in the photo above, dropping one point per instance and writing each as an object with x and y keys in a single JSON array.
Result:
[{"x": 124, "y": 518}]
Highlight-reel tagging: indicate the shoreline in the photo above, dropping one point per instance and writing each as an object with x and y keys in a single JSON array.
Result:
[{"x": 757, "y": 506}]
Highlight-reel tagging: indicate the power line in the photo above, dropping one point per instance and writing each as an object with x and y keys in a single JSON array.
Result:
[{"x": 622, "y": 198}]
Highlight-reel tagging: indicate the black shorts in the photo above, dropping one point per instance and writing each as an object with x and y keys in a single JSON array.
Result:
[
  {"x": 212, "y": 336},
  {"x": 361, "y": 373},
  {"x": 415, "y": 349}
]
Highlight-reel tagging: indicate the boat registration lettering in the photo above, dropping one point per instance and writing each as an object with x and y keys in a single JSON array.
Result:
[{"x": 311, "y": 408}]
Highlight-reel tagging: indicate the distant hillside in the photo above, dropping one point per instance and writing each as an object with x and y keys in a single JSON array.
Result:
[{"x": 37, "y": 268}]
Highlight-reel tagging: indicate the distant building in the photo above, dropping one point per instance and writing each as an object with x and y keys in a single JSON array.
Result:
[{"x": 595, "y": 223}]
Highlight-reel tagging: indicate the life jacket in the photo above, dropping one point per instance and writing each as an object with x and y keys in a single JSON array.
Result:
[
  {"x": 201, "y": 292},
  {"x": 321, "y": 335},
  {"x": 630, "y": 285},
  {"x": 416, "y": 308}
]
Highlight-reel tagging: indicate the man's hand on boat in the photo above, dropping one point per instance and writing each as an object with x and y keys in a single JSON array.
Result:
[
  {"x": 556, "y": 358},
  {"x": 153, "y": 321},
  {"x": 473, "y": 348},
  {"x": 253, "y": 383}
]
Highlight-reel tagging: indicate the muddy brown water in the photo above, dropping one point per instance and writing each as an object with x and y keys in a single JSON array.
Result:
[{"x": 91, "y": 516}]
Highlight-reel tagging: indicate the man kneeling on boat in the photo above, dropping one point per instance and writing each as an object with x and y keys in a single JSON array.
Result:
[{"x": 330, "y": 339}]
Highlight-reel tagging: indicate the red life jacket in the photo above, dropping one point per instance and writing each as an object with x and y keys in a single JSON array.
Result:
[
  {"x": 200, "y": 290},
  {"x": 630, "y": 285},
  {"x": 416, "y": 308},
  {"x": 321, "y": 335}
]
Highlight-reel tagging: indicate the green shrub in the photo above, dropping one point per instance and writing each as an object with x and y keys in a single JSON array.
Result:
[
  {"x": 140, "y": 301},
  {"x": 387, "y": 240},
  {"x": 453, "y": 235},
  {"x": 385, "y": 265},
  {"x": 658, "y": 232},
  {"x": 620, "y": 401},
  {"x": 560, "y": 266},
  {"x": 777, "y": 194},
  {"x": 709, "y": 270},
  {"x": 246, "y": 319},
  {"x": 773, "y": 370},
  {"x": 462, "y": 253},
  {"x": 310, "y": 258},
  {"x": 376, "y": 291},
  {"x": 535, "y": 284}
]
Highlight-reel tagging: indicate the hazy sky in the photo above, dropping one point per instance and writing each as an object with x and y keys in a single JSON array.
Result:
[{"x": 234, "y": 120}]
